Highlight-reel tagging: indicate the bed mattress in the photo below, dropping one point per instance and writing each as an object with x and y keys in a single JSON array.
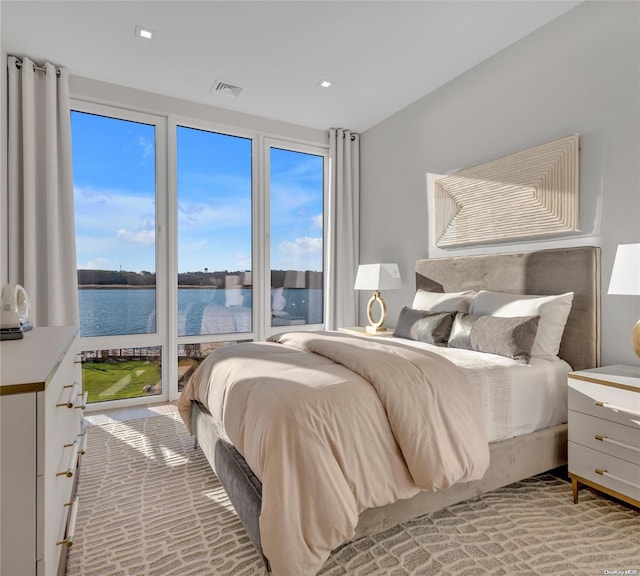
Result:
[{"x": 516, "y": 398}]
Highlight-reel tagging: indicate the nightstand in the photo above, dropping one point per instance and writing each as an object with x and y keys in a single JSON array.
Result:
[
  {"x": 604, "y": 431},
  {"x": 361, "y": 331}
]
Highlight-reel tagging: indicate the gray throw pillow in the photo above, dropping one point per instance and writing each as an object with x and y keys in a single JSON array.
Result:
[
  {"x": 423, "y": 326},
  {"x": 511, "y": 337}
]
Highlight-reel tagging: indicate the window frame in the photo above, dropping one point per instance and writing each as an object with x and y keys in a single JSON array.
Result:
[
  {"x": 166, "y": 335},
  {"x": 159, "y": 337},
  {"x": 283, "y": 144},
  {"x": 174, "y": 122}
]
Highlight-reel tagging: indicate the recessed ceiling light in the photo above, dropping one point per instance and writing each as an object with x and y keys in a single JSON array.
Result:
[
  {"x": 145, "y": 33},
  {"x": 325, "y": 83}
]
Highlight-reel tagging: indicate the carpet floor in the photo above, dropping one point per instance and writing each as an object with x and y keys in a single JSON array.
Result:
[{"x": 150, "y": 505}]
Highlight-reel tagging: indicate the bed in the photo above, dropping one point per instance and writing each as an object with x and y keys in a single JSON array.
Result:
[{"x": 510, "y": 457}]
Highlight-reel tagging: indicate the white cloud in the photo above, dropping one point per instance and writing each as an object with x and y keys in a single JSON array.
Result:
[
  {"x": 304, "y": 245},
  {"x": 213, "y": 200},
  {"x": 104, "y": 211},
  {"x": 97, "y": 264},
  {"x": 317, "y": 221},
  {"x": 193, "y": 216},
  {"x": 296, "y": 187},
  {"x": 147, "y": 147},
  {"x": 104, "y": 214},
  {"x": 241, "y": 261},
  {"x": 303, "y": 253},
  {"x": 146, "y": 237}
]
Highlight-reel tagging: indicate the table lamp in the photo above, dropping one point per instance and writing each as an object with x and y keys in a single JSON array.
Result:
[
  {"x": 625, "y": 280},
  {"x": 377, "y": 277}
]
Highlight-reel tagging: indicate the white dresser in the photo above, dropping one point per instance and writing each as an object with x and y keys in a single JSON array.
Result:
[
  {"x": 41, "y": 401},
  {"x": 604, "y": 431}
]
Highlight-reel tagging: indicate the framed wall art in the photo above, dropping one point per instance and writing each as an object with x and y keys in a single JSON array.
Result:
[{"x": 527, "y": 194}]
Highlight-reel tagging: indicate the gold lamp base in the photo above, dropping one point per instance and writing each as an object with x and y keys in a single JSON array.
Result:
[
  {"x": 635, "y": 338},
  {"x": 376, "y": 326}
]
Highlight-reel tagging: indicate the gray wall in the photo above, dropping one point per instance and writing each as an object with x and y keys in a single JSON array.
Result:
[{"x": 578, "y": 74}]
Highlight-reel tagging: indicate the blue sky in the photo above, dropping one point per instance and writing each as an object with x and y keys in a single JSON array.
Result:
[{"x": 114, "y": 191}]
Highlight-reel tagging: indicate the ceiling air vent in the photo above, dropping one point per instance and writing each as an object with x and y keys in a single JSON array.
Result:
[{"x": 226, "y": 89}]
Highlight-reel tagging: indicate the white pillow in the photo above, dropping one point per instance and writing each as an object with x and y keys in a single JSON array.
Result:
[
  {"x": 442, "y": 301},
  {"x": 553, "y": 312}
]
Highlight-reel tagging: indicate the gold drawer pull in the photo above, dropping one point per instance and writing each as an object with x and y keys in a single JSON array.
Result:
[
  {"x": 607, "y": 474},
  {"x": 83, "y": 444},
  {"x": 617, "y": 408},
  {"x": 72, "y": 461},
  {"x": 617, "y": 443},
  {"x": 82, "y": 438},
  {"x": 71, "y": 528},
  {"x": 72, "y": 396},
  {"x": 83, "y": 404}
]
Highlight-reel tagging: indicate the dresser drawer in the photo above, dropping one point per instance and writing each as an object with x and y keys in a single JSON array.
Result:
[
  {"x": 605, "y": 436},
  {"x": 55, "y": 490},
  {"x": 583, "y": 462},
  {"x": 67, "y": 527},
  {"x": 608, "y": 402},
  {"x": 59, "y": 427},
  {"x": 59, "y": 415}
]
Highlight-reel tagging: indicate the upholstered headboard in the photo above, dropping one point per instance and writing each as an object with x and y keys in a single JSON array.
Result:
[{"x": 541, "y": 272}]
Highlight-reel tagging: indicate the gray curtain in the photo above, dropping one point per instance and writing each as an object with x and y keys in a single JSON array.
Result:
[
  {"x": 343, "y": 228},
  {"x": 41, "y": 231}
]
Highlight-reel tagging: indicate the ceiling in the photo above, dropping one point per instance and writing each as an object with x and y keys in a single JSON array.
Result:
[{"x": 381, "y": 55}]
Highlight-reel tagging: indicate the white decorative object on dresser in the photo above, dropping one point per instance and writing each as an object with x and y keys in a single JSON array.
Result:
[
  {"x": 604, "y": 431},
  {"x": 41, "y": 402}
]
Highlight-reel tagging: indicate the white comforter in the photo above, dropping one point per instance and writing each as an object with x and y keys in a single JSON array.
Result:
[{"x": 332, "y": 424}]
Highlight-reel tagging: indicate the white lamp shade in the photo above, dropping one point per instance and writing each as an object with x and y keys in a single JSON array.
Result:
[
  {"x": 625, "y": 277},
  {"x": 378, "y": 277}
]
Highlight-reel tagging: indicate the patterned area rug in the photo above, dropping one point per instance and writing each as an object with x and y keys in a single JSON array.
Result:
[{"x": 150, "y": 505}]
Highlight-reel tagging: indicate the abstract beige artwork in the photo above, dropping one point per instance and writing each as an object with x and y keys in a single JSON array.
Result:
[{"x": 527, "y": 194}]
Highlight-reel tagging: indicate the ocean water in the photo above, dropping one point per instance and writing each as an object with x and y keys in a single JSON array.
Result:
[{"x": 111, "y": 312}]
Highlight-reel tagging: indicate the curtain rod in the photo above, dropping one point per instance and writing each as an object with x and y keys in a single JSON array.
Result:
[
  {"x": 354, "y": 135},
  {"x": 36, "y": 67}
]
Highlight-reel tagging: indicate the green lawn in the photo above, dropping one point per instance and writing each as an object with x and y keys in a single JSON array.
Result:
[{"x": 114, "y": 380}]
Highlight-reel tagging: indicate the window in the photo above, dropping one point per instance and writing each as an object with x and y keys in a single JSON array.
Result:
[
  {"x": 214, "y": 233},
  {"x": 189, "y": 238},
  {"x": 121, "y": 373},
  {"x": 296, "y": 184},
  {"x": 116, "y": 213}
]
